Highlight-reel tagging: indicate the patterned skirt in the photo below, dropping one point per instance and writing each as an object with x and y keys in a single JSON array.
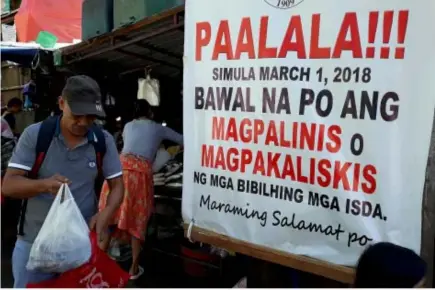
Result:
[{"x": 132, "y": 218}]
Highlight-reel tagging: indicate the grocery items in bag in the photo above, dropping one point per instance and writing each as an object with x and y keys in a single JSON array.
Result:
[
  {"x": 63, "y": 242},
  {"x": 162, "y": 157},
  {"x": 99, "y": 272}
]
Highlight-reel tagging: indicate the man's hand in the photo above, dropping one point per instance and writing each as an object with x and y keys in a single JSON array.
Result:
[
  {"x": 53, "y": 183},
  {"x": 101, "y": 222}
]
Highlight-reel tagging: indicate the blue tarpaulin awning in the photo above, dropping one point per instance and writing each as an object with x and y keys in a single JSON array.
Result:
[
  {"x": 21, "y": 55},
  {"x": 24, "y": 53}
]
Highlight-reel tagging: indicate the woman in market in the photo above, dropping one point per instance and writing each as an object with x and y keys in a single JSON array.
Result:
[{"x": 142, "y": 138}]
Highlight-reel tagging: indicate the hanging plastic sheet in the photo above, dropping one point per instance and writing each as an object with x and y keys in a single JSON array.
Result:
[{"x": 61, "y": 18}]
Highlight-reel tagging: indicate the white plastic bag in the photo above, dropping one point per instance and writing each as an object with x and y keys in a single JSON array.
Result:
[
  {"x": 243, "y": 283},
  {"x": 149, "y": 89},
  {"x": 162, "y": 157},
  {"x": 63, "y": 242}
]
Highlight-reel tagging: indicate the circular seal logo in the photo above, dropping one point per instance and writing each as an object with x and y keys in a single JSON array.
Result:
[
  {"x": 283, "y": 4},
  {"x": 92, "y": 164}
]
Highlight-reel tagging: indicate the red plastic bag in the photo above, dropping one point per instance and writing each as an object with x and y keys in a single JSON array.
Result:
[{"x": 99, "y": 272}]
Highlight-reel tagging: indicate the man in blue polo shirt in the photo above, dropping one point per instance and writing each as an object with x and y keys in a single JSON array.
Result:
[{"x": 71, "y": 158}]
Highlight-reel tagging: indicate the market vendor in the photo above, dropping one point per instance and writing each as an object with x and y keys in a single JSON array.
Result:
[{"x": 142, "y": 138}]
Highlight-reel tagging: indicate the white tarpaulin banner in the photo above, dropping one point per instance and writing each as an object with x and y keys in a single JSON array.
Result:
[
  {"x": 307, "y": 123},
  {"x": 9, "y": 33}
]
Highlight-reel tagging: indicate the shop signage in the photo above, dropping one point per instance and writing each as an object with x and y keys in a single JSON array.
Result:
[{"x": 307, "y": 130}]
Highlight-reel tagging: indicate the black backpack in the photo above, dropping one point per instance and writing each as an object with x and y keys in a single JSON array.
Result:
[{"x": 45, "y": 136}]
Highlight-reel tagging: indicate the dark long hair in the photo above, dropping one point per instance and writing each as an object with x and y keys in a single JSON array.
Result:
[{"x": 142, "y": 109}]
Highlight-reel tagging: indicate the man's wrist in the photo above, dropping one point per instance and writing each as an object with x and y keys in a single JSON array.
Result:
[{"x": 42, "y": 186}]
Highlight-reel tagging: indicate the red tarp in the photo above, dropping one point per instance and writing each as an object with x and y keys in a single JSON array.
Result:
[{"x": 62, "y": 18}]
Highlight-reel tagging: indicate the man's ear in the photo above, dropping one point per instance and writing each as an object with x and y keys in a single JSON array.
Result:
[{"x": 61, "y": 102}]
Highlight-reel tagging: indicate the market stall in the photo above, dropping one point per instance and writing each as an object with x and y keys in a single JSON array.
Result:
[
  {"x": 34, "y": 62},
  {"x": 21, "y": 63}
]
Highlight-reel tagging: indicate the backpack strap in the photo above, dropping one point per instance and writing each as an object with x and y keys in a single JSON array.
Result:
[
  {"x": 99, "y": 143},
  {"x": 45, "y": 136}
]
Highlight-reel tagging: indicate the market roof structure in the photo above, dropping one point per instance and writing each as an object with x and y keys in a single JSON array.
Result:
[
  {"x": 155, "y": 42},
  {"x": 23, "y": 53},
  {"x": 8, "y": 18}
]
